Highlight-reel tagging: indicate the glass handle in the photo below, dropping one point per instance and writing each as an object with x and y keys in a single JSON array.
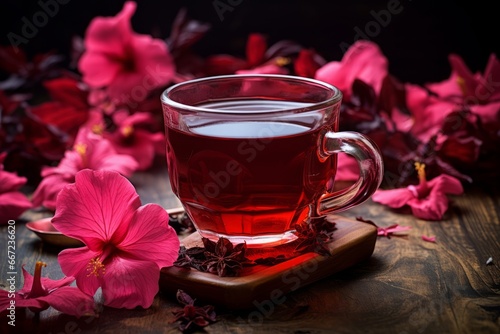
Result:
[{"x": 371, "y": 170}]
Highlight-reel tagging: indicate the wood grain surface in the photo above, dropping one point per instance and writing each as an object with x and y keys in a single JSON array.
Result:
[{"x": 407, "y": 286}]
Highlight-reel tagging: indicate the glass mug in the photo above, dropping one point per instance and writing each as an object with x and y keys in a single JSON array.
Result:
[{"x": 249, "y": 156}]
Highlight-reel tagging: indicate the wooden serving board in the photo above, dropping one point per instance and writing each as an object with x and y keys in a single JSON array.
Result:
[{"x": 353, "y": 242}]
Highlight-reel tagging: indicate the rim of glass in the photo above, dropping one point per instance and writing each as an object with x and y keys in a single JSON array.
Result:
[{"x": 336, "y": 96}]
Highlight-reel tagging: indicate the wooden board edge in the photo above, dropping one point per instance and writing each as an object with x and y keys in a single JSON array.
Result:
[{"x": 355, "y": 242}]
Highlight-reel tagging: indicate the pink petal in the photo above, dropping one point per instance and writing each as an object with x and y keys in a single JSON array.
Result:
[
  {"x": 363, "y": 61},
  {"x": 111, "y": 34},
  {"x": 127, "y": 88},
  {"x": 446, "y": 184},
  {"x": 428, "y": 112},
  {"x": 435, "y": 204},
  {"x": 153, "y": 67},
  {"x": 28, "y": 282},
  {"x": 97, "y": 208},
  {"x": 12, "y": 205},
  {"x": 428, "y": 239},
  {"x": 390, "y": 230},
  {"x": 137, "y": 118},
  {"x": 4, "y": 300},
  {"x": 129, "y": 283},
  {"x": 394, "y": 198},
  {"x": 431, "y": 208},
  {"x": 74, "y": 263},
  {"x": 150, "y": 238},
  {"x": 143, "y": 147},
  {"x": 102, "y": 155},
  {"x": 153, "y": 60},
  {"x": 463, "y": 72},
  {"x": 489, "y": 113},
  {"x": 124, "y": 164},
  {"x": 33, "y": 303},
  {"x": 46, "y": 192},
  {"x": 492, "y": 75},
  {"x": 446, "y": 88},
  {"x": 48, "y": 284},
  {"x": 70, "y": 300},
  {"x": 10, "y": 181},
  {"x": 98, "y": 69}
]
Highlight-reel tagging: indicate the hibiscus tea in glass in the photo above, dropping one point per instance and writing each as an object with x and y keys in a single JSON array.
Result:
[{"x": 250, "y": 156}]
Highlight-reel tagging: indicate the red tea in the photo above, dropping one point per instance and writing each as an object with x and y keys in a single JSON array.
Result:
[{"x": 249, "y": 180}]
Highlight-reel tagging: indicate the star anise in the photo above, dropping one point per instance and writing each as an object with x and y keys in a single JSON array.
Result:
[
  {"x": 192, "y": 317},
  {"x": 314, "y": 235},
  {"x": 191, "y": 258},
  {"x": 223, "y": 258}
]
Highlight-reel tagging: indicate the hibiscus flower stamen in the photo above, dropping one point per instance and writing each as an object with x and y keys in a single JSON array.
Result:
[
  {"x": 127, "y": 131},
  {"x": 421, "y": 190},
  {"x": 95, "y": 267},
  {"x": 37, "y": 289},
  {"x": 98, "y": 129},
  {"x": 82, "y": 150},
  {"x": 462, "y": 86},
  {"x": 420, "y": 168},
  {"x": 282, "y": 61}
]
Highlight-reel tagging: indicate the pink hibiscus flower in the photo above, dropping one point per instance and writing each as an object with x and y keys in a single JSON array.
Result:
[
  {"x": 132, "y": 138},
  {"x": 12, "y": 202},
  {"x": 480, "y": 92},
  {"x": 126, "y": 244},
  {"x": 90, "y": 151},
  {"x": 130, "y": 135},
  {"x": 129, "y": 65},
  {"x": 427, "y": 113},
  {"x": 38, "y": 293},
  {"x": 363, "y": 61},
  {"x": 427, "y": 200},
  {"x": 473, "y": 88}
]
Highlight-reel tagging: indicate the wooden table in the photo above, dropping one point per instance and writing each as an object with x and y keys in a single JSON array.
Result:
[{"x": 407, "y": 286}]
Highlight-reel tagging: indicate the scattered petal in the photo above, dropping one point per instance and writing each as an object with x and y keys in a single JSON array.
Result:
[
  {"x": 429, "y": 238},
  {"x": 394, "y": 230},
  {"x": 427, "y": 200}
]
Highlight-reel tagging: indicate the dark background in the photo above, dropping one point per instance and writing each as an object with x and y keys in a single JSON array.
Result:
[{"x": 416, "y": 41}]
